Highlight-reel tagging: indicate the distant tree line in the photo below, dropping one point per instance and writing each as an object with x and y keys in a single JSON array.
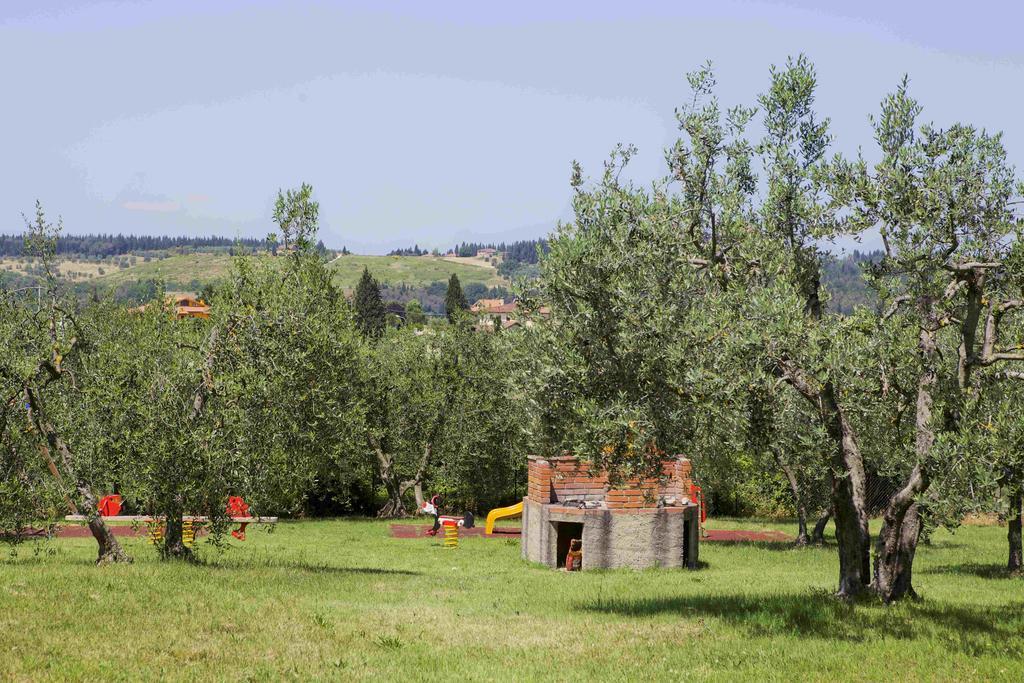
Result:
[
  {"x": 414, "y": 251},
  {"x": 523, "y": 251},
  {"x": 102, "y": 245}
]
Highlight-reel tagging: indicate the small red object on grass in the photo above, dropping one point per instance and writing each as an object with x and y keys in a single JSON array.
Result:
[{"x": 697, "y": 496}]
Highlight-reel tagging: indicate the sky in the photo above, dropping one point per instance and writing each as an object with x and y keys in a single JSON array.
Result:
[{"x": 432, "y": 122}]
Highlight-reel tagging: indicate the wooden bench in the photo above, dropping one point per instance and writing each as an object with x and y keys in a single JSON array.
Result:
[{"x": 151, "y": 518}]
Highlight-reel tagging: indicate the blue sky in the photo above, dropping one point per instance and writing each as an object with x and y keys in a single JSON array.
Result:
[{"x": 430, "y": 122}]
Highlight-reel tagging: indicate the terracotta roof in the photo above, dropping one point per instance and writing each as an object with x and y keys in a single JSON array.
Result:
[
  {"x": 496, "y": 307},
  {"x": 485, "y": 305}
]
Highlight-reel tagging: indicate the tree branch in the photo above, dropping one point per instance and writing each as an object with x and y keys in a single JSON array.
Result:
[
  {"x": 894, "y": 306},
  {"x": 969, "y": 266}
]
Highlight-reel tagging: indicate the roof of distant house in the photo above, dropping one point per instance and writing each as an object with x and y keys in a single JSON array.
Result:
[
  {"x": 484, "y": 305},
  {"x": 498, "y": 306}
]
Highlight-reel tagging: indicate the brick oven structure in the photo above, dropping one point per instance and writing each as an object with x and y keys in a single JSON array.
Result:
[{"x": 647, "y": 523}]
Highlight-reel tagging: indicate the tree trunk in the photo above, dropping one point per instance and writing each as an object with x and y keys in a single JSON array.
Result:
[
  {"x": 852, "y": 536},
  {"x": 894, "y": 555},
  {"x": 848, "y": 480},
  {"x": 396, "y": 487},
  {"x": 818, "y": 535},
  {"x": 173, "y": 546},
  {"x": 848, "y": 506},
  {"x": 1013, "y": 533},
  {"x": 109, "y": 549},
  {"x": 901, "y": 526},
  {"x": 794, "y": 488},
  {"x": 394, "y": 507}
]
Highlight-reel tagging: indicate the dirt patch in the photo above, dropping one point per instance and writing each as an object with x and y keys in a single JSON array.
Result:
[
  {"x": 738, "y": 535},
  {"x": 726, "y": 535},
  {"x": 420, "y": 531},
  {"x": 469, "y": 261},
  {"x": 983, "y": 519}
]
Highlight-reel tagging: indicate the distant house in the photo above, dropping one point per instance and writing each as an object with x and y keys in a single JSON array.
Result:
[
  {"x": 483, "y": 305},
  {"x": 486, "y": 253},
  {"x": 184, "y": 305},
  {"x": 489, "y": 311},
  {"x": 187, "y": 306}
]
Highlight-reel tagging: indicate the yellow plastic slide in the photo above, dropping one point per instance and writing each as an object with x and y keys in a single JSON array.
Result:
[{"x": 500, "y": 513}]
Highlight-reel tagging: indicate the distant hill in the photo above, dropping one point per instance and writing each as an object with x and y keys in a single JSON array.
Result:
[
  {"x": 95, "y": 262},
  {"x": 133, "y": 277}
]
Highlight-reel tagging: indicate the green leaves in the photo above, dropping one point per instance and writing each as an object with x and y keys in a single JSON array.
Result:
[{"x": 296, "y": 214}]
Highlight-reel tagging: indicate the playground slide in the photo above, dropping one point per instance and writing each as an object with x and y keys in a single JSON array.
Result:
[{"x": 500, "y": 513}]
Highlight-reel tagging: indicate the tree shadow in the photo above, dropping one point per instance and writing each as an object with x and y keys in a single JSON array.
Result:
[
  {"x": 768, "y": 545},
  {"x": 305, "y": 567},
  {"x": 820, "y": 615},
  {"x": 978, "y": 569}
]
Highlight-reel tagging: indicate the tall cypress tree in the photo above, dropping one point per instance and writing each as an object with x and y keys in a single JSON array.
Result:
[
  {"x": 454, "y": 299},
  {"x": 370, "y": 313}
]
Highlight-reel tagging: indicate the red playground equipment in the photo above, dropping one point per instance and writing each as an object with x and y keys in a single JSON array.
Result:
[
  {"x": 697, "y": 496},
  {"x": 237, "y": 509}
]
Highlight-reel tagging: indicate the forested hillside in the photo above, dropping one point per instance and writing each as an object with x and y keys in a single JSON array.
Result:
[{"x": 844, "y": 279}]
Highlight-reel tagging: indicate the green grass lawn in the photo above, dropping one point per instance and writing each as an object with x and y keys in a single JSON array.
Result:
[{"x": 342, "y": 600}]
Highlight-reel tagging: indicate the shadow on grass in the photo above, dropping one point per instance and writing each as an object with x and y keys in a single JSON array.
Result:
[
  {"x": 769, "y": 545},
  {"x": 306, "y": 567},
  {"x": 215, "y": 564},
  {"x": 983, "y": 571},
  {"x": 817, "y": 614}
]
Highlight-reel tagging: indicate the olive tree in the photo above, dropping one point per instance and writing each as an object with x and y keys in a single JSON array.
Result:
[
  {"x": 941, "y": 198},
  {"x": 256, "y": 401},
  {"x": 442, "y": 410},
  {"x": 673, "y": 309},
  {"x": 48, "y": 345}
]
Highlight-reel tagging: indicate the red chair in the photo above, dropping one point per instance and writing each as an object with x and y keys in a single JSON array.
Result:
[
  {"x": 238, "y": 508},
  {"x": 109, "y": 506}
]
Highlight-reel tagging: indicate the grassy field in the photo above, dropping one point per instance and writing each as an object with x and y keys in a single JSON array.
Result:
[
  {"x": 76, "y": 271},
  {"x": 342, "y": 600},
  {"x": 181, "y": 270},
  {"x": 175, "y": 270},
  {"x": 416, "y": 271}
]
